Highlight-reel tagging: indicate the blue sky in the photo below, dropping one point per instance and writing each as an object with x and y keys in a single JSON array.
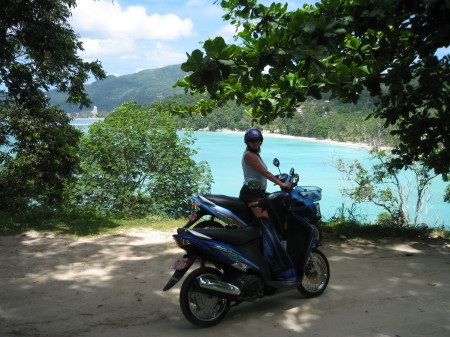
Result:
[{"x": 132, "y": 35}]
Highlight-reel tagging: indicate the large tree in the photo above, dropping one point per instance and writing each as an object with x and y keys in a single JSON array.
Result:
[
  {"x": 38, "y": 51},
  {"x": 338, "y": 47}
]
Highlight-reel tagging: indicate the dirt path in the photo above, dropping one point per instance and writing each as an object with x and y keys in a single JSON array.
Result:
[{"x": 110, "y": 286}]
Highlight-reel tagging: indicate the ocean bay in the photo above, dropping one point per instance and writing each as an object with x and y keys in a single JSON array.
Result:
[{"x": 310, "y": 159}]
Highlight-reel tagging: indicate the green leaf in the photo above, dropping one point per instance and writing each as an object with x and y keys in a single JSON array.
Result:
[
  {"x": 353, "y": 43},
  {"x": 365, "y": 69},
  {"x": 214, "y": 48},
  {"x": 194, "y": 61},
  {"x": 227, "y": 62}
]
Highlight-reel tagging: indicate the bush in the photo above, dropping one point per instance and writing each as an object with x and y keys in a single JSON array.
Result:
[{"x": 134, "y": 164}]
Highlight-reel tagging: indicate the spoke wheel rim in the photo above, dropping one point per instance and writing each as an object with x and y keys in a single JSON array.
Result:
[
  {"x": 206, "y": 307},
  {"x": 316, "y": 274}
]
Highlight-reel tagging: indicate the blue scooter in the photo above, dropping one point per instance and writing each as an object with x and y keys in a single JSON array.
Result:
[{"x": 240, "y": 257}]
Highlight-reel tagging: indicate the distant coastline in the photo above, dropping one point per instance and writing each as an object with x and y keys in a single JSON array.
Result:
[
  {"x": 308, "y": 139},
  {"x": 277, "y": 135},
  {"x": 82, "y": 118}
]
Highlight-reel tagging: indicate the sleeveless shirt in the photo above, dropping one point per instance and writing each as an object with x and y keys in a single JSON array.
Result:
[{"x": 250, "y": 174}]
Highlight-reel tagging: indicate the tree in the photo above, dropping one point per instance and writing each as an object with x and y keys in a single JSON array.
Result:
[
  {"x": 384, "y": 187},
  {"x": 38, "y": 50},
  {"x": 447, "y": 194},
  {"x": 134, "y": 163},
  {"x": 339, "y": 47},
  {"x": 35, "y": 165}
]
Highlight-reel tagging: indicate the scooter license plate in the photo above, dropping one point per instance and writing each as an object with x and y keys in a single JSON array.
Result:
[{"x": 181, "y": 263}]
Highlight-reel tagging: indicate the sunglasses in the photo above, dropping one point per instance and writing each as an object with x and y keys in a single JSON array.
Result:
[{"x": 254, "y": 140}]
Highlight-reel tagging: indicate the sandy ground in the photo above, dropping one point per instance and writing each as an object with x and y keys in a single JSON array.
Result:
[{"x": 110, "y": 286}]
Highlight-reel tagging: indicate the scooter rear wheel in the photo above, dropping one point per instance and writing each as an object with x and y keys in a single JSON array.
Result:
[
  {"x": 208, "y": 224},
  {"x": 201, "y": 309},
  {"x": 316, "y": 276}
]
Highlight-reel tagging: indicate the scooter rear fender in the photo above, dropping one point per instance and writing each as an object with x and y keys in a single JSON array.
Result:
[{"x": 179, "y": 272}]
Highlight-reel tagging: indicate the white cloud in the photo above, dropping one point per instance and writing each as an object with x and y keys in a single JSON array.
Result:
[
  {"x": 227, "y": 32},
  {"x": 198, "y": 2},
  {"x": 98, "y": 48},
  {"x": 161, "y": 54},
  {"x": 107, "y": 19},
  {"x": 128, "y": 38}
]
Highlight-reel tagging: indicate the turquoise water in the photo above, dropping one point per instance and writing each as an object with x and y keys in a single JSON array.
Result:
[{"x": 311, "y": 160}]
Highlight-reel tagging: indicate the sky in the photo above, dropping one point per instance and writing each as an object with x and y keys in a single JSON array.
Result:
[{"x": 128, "y": 36}]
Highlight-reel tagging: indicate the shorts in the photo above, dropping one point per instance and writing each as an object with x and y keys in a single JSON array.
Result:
[{"x": 248, "y": 195}]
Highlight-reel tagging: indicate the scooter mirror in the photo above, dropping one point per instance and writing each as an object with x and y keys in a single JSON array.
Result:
[
  {"x": 276, "y": 162},
  {"x": 254, "y": 185}
]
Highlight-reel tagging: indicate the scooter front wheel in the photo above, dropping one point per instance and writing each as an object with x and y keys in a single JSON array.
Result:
[
  {"x": 201, "y": 309},
  {"x": 316, "y": 276},
  {"x": 317, "y": 230}
]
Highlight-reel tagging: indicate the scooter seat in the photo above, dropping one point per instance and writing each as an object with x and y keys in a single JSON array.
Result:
[
  {"x": 230, "y": 236},
  {"x": 236, "y": 205}
]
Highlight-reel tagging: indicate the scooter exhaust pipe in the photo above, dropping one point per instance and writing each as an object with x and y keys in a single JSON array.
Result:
[{"x": 218, "y": 286}]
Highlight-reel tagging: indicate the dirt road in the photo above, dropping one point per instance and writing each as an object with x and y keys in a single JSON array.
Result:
[{"x": 110, "y": 286}]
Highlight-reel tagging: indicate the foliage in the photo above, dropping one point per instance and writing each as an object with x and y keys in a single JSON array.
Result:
[
  {"x": 135, "y": 164},
  {"x": 38, "y": 50},
  {"x": 347, "y": 214},
  {"x": 38, "y": 160},
  {"x": 383, "y": 186},
  {"x": 351, "y": 229},
  {"x": 339, "y": 47},
  {"x": 447, "y": 194},
  {"x": 347, "y": 224},
  {"x": 321, "y": 119}
]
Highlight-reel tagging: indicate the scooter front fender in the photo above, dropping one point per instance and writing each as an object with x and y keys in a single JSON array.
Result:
[{"x": 179, "y": 273}]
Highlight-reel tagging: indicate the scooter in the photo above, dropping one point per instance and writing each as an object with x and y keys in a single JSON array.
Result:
[{"x": 236, "y": 254}]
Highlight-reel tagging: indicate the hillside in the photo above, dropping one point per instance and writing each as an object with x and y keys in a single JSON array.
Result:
[
  {"x": 145, "y": 86},
  {"x": 315, "y": 118}
]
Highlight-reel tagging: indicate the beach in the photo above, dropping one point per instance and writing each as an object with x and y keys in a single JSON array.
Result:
[{"x": 308, "y": 139}]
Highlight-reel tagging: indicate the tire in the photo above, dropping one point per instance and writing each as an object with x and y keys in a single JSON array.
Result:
[
  {"x": 201, "y": 309},
  {"x": 209, "y": 224},
  {"x": 316, "y": 276},
  {"x": 318, "y": 231}
]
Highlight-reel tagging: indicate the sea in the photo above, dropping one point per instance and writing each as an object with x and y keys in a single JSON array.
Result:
[{"x": 312, "y": 160}]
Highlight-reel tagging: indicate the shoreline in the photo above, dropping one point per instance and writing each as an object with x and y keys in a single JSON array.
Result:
[
  {"x": 308, "y": 139},
  {"x": 83, "y": 118},
  {"x": 278, "y": 135}
]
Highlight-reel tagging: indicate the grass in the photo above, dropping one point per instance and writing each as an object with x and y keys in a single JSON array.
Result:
[
  {"x": 83, "y": 223},
  {"x": 353, "y": 229},
  {"x": 78, "y": 222}
]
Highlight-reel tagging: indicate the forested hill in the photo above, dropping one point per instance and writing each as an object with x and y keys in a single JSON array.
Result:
[{"x": 144, "y": 87}]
